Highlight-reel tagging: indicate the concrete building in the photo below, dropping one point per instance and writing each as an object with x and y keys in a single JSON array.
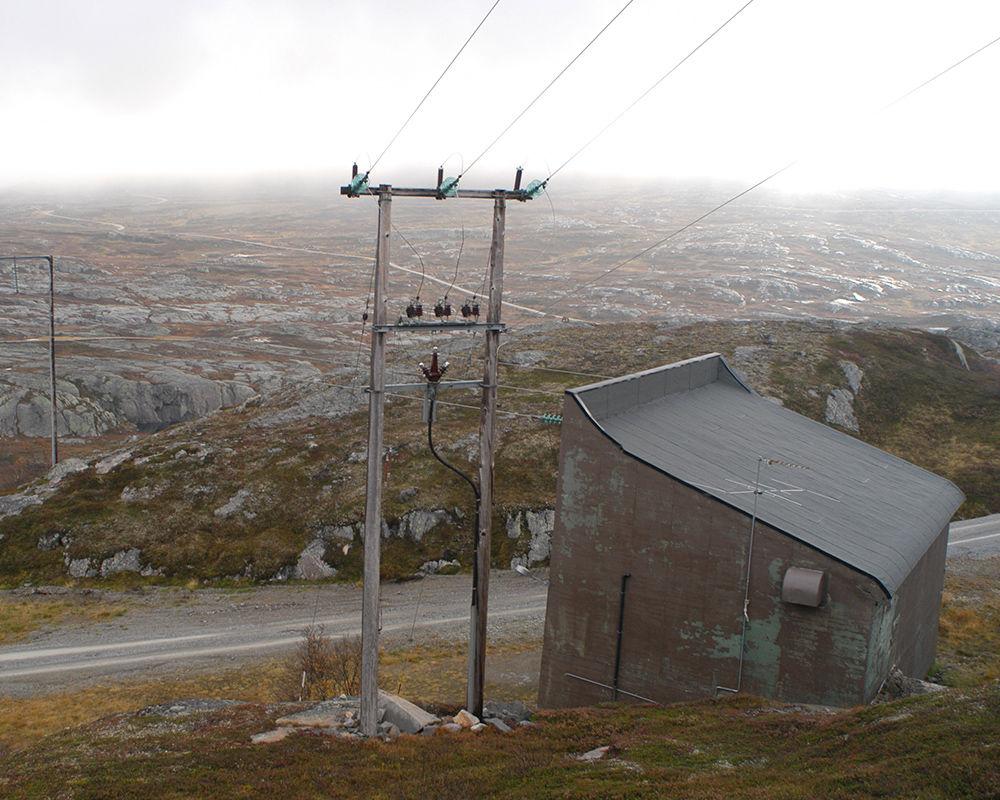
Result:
[{"x": 839, "y": 582}]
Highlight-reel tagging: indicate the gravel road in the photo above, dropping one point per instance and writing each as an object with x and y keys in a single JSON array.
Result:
[{"x": 167, "y": 630}]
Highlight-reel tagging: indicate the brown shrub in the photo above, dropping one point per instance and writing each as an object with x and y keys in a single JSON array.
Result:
[{"x": 322, "y": 667}]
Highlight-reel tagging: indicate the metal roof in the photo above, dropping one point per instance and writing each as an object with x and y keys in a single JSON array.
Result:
[{"x": 699, "y": 423}]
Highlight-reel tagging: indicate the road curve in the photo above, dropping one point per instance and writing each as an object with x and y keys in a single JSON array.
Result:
[{"x": 980, "y": 537}]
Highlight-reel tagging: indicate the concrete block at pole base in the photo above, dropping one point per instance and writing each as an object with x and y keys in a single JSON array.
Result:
[
  {"x": 406, "y": 716},
  {"x": 466, "y": 719}
]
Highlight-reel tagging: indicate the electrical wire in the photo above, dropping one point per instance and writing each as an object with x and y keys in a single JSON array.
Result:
[
  {"x": 648, "y": 91},
  {"x": 433, "y": 87},
  {"x": 758, "y": 184},
  {"x": 548, "y": 86},
  {"x": 458, "y": 261},
  {"x": 423, "y": 269}
]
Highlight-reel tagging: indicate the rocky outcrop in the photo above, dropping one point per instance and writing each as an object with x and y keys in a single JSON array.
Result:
[
  {"x": 235, "y": 505},
  {"x": 311, "y": 566},
  {"x": 539, "y": 525},
  {"x": 840, "y": 409}
]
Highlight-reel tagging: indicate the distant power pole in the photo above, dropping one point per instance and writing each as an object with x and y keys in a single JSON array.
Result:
[
  {"x": 492, "y": 328},
  {"x": 53, "y": 432}
]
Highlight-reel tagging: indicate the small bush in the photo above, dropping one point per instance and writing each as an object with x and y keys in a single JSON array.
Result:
[{"x": 322, "y": 667}]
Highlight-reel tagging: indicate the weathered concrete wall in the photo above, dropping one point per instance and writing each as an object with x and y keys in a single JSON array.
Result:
[
  {"x": 905, "y": 633},
  {"x": 686, "y": 553}
]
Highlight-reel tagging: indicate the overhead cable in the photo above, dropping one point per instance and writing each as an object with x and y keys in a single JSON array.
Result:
[
  {"x": 757, "y": 185},
  {"x": 548, "y": 86}
]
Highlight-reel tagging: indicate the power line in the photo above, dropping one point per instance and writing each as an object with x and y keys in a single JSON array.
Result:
[
  {"x": 548, "y": 86},
  {"x": 433, "y": 87},
  {"x": 648, "y": 91},
  {"x": 758, "y": 184}
]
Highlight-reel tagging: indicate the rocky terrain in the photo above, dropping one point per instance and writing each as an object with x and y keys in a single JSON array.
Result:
[
  {"x": 273, "y": 489},
  {"x": 173, "y": 303}
]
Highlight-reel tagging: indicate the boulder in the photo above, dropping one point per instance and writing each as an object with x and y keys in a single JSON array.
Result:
[
  {"x": 853, "y": 374},
  {"x": 513, "y": 710},
  {"x": 108, "y": 463},
  {"x": 466, "y": 719},
  {"x": 416, "y": 524},
  {"x": 409, "y": 718},
  {"x": 122, "y": 561},
  {"x": 13, "y": 504},
  {"x": 269, "y": 737},
  {"x": 66, "y": 467},
  {"x": 233, "y": 505},
  {"x": 840, "y": 409},
  {"x": 80, "y": 568},
  {"x": 595, "y": 755},
  {"x": 311, "y": 566},
  {"x": 499, "y": 724}
]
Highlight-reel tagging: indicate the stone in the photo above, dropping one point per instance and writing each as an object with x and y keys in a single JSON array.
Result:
[
  {"x": 136, "y": 494},
  {"x": 108, "y": 463},
  {"x": 840, "y": 409},
  {"x": 408, "y": 717},
  {"x": 269, "y": 737},
  {"x": 508, "y": 710},
  {"x": 80, "y": 568},
  {"x": 540, "y": 525},
  {"x": 13, "y": 504},
  {"x": 853, "y": 374},
  {"x": 234, "y": 505},
  {"x": 452, "y": 727},
  {"x": 408, "y": 494},
  {"x": 499, "y": 724},
  {"x": 416, "y": 524},
  {"x": 466, "y": 719},
  {"x": 122, "y": 561},
  {"x": 388, "y": 730},
  {"x": 479, "y": 726},
  {"x": 311, "y": 566},
  {"x": 594, "y": 755},
  {"x": 443, "y": 566},
  {"x": 514, "y": 526},
  {"x": 68, "y": 466},
  {"x": 50, "y": 541}
]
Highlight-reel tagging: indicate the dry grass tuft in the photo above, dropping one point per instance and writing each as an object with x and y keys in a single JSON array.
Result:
[{"x": 20, "y": 618}]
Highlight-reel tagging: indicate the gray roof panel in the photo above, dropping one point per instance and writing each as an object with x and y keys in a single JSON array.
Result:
[{"x": 698, "y": 422}]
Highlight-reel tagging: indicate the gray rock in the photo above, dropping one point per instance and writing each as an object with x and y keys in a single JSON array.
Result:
[
  {"x": 388, "y": 730},
  {"x": 452, "y": 727},
  {"x": 234, "y": 504},
  {"x": 854, "y": 375},
  {"x": 69, "y": 466},
  {"x": 514, "y": 525},
  {"x": 80, "y": 568},
  {"x": 840, "y": 409},
  {"x": 513, "y": 710},
  {"x": 499, "y": 724},
  {"x": 136, "y": 494},
  {"x": 108, "y": 463},
  {"x": 409, "y": 718},
  {"x": 408, "y": 494},
  {"x": 595, "y": 755},
  {"x": 442, "y": 565},
  {"x": 417, "y": 524},
  {"x": 13, "y": 504},
  {"x": 311, "y": 566},
  {"x": 270, "y": 737},
  {"x": 122, "y": 561},
  {"x": 540, "y": 525},
  {"x": 50, "y": 541}
]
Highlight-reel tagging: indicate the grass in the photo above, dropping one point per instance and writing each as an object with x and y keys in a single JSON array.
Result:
[
  {"x": 928, "y": 748},
  {"x": 969, "y": 630},
  {"x": 432, "y": 672},
  {"x": 20, "y": 618}
]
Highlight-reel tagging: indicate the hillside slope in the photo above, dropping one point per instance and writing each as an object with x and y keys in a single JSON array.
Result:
[{"x": 256, "y": 491}]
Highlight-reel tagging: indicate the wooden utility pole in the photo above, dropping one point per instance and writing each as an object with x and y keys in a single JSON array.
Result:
[
  {"x": 373, "y": 502},
  {"x": 492, "y": 328},
  {"x": 487, "y": 431}
]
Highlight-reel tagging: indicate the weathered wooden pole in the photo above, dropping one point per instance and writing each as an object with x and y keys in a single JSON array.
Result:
[
  {"x": 487, "y": 430},
  {"x": 373, "y": 503}
]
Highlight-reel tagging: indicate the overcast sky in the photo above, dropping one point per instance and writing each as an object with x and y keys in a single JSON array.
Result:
[{"x": 104, "y": 89}]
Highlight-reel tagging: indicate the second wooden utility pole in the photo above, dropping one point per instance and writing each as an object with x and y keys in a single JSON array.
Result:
[
  {"x": 487, "y": 432},
  {"x": 373, "y": 503}
]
